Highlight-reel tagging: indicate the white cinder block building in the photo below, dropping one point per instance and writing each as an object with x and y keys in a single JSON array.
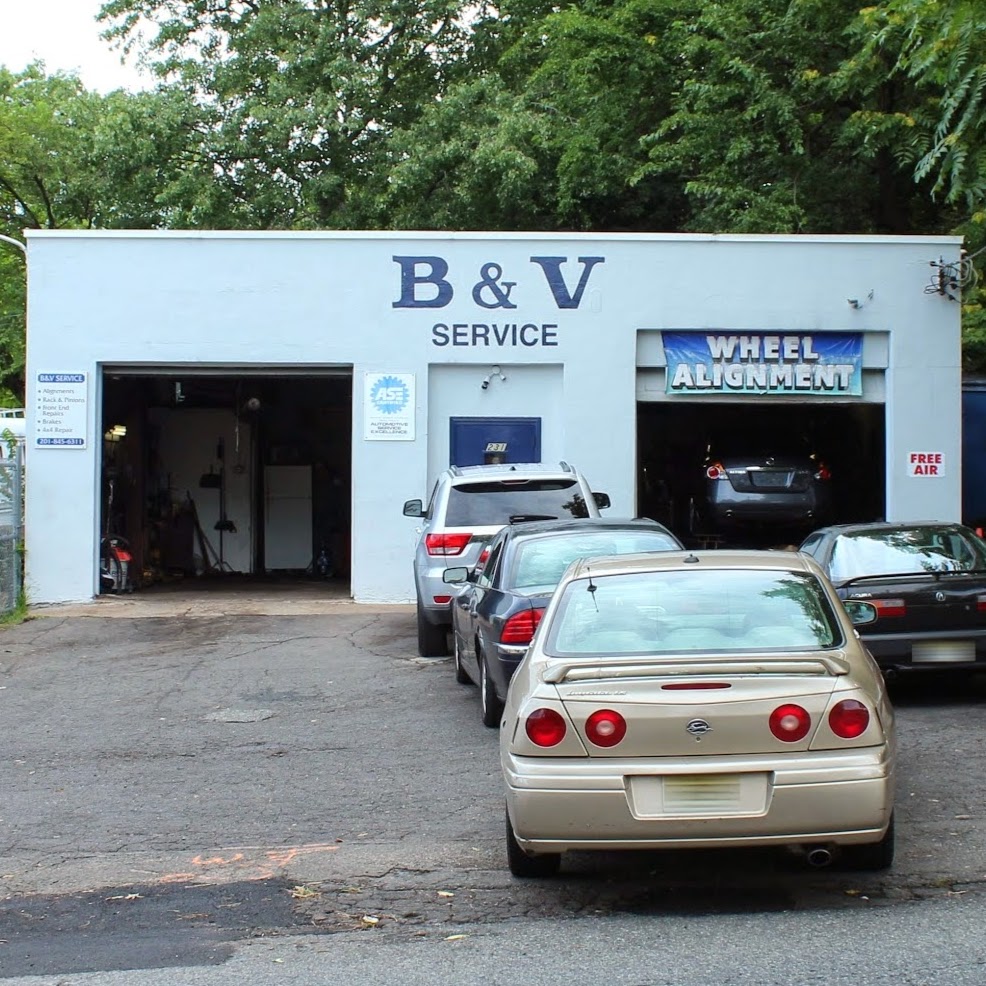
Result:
[{"x": 240, "y": 402}]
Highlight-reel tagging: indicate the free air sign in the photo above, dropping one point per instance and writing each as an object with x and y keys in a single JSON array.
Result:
[{"x": 926, "y": 464}]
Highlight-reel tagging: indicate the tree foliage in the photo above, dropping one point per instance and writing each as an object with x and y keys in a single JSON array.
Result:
[
  {"x": 73, "y": 159},
  {"x": 551, "y": 140},
  {"x": 940, "y": 46},
  {"x": 600, "y": 115},
  {"x": 305, "y": 93}
]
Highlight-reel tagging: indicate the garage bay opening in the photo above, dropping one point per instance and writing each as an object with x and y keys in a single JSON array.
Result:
[
  {"x": 830, "y": 458},
  {"x": 225, "y": 475}
]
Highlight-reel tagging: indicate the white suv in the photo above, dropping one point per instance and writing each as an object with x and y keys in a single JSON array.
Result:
[{"x": 468, "y": 505}]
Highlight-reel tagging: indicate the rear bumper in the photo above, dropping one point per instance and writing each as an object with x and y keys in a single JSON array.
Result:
[
  {"x": 724, "y": 506},
  {"x": 833, "y": 797},
  {"x": 430, "y": 583}
]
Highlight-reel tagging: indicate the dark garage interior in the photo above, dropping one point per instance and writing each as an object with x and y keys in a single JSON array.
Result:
[
  {"x": 673, "y": 439},
  {"x": 227, "y": 474}
]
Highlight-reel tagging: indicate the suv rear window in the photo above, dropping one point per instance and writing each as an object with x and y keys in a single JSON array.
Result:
[{"x": 497, "y": 503}]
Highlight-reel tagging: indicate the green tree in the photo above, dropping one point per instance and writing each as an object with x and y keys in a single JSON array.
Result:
[
  {"x": 550, "y": 137},
  {"x": 774, "y": 135},
  {"x": 12, "y": 304},
  {"x": 75, "y": 159},
  {"x": 305, "y": 93},
  {"x": 939, "y": 46}
]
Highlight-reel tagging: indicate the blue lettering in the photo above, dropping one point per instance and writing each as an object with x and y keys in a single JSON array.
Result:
[
  {"x": 410, "y": 279},
  {"x": 467, "y": 334},
  {"x": 559, "y": 289}
]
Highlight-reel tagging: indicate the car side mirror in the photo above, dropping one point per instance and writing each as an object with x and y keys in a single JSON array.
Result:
[
  {"x": 602, "y": 500},
  {"x": 414, "y": 508},
  {"x": 859, "y": 612},
  {"x": 455, "y": 576}
]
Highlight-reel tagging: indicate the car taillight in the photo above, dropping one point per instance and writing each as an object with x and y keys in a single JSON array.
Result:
[
  {"x": 442, "y": 600},
  {"x": 823, "y": 471},
  {"x": 849, "y": 718},
  {"x": 519, "y": 629},
  {"x": 446, "y": 544},
  {"x": 790, "y": 723},
  {"x": 605, "y": 727},
  {"x": 545, "y": 727},
  {"x": 716, "y": 471},
  {"x": 481, "y": 561},
  {"x": 981, "y": 604},
  {"x": 890, "y": 607}
]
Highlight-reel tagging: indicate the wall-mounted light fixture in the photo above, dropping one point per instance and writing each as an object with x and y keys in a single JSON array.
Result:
[
  {"x": 495, "y": 371},
  {"x": 116, "y": 433}
]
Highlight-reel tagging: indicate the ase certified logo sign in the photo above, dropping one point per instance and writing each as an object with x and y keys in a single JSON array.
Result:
[{"x": 389, "y": 395}]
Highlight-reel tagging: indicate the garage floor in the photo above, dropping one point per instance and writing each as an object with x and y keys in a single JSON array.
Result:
[{"x": 222, "y": 597}]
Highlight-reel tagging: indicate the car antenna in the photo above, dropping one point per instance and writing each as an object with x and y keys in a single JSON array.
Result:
[{"x": 591, "y": 588}]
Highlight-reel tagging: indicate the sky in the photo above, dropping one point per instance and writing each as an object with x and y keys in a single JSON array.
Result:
[{"x": 65, "y": 35}]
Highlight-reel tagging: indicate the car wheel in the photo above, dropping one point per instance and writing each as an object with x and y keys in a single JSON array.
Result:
[
  {"x": 873, "y": 855},
  {"x": 527, "y": 866},
  {"x": 491, "y": 706},
  {"x": 432, "y": 640},
  {"x": 460, "y": 672}
]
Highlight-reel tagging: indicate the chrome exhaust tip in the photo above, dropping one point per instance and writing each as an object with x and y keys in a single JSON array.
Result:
[{"x": 819, "y": 857}]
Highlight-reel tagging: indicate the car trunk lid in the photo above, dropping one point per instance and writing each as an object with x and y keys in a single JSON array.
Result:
[
  {"x": 922, "y": 603},
  {"x": 769, "y": 475},
  {"x": 698, "y": 707}
]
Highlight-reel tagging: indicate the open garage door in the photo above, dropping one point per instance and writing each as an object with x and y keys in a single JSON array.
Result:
[
  {"x": 226, "y": 473},
  {"x": 675, "y": 439}
]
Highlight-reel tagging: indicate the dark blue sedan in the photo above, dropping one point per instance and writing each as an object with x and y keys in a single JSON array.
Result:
[{"x": 500, "y": 602}]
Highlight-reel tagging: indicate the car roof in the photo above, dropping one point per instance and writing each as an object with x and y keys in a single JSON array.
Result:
[
  {"x": 718, "y": 559},
  {"x": 539, "y": 528}
]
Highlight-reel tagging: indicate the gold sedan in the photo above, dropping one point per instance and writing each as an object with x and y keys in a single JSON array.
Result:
[{"x": 699, "y": 699}]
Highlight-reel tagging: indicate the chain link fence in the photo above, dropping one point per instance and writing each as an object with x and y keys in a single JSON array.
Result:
[{"x": 11, "y": 525}]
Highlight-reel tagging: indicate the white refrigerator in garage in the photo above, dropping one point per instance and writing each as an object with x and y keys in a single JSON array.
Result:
[{"x": 287, "y": 517}]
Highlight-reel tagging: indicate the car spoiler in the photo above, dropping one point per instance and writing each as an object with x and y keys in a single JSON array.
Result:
[
  {"x": 678, "y": 666},
  {"x": 935, "y": 574}
]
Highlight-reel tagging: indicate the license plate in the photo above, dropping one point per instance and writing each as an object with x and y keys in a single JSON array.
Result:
[
  {"x": 710, "y": 795},
  {"x": 767, "y": 478},
  {"x": 943, "y": 652}
]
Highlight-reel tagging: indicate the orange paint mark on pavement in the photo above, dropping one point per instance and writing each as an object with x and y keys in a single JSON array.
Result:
[{"x": 243, "y": 865}]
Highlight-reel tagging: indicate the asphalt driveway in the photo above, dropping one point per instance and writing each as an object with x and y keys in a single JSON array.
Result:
[{"x": 255, "y": 773}]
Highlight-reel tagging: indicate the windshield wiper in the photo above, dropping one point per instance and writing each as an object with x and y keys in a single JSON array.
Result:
[{"x": 522, "y": 518}]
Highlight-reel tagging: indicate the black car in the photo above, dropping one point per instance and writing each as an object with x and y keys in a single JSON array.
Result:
[
  {"x": 496, "y": 612},
  {"x": 927, "y": 582},
  {"x": 759, "y": 481}
]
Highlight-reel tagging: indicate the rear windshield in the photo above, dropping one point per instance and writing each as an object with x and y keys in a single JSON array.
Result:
[
  {"x": 915, "y": 550},
  {"x": 539, "y": 563},
  {"x": 497, "y": 503},
  {"x": 693, "y": 611}
]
